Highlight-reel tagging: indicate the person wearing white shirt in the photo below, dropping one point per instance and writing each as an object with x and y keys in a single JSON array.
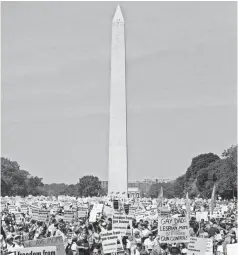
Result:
[
  {"x": 17, "y": 242},
  {"x": 150, "y": 243}
]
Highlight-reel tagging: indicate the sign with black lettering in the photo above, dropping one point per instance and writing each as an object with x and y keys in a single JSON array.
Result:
[{"x": 173, "y": 230}]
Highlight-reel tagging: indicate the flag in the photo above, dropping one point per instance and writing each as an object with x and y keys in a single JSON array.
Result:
[
  {"x": 187, "y": 205},
  {"x": 213, "y": 200},
  {"x": 160, "y": 198}
]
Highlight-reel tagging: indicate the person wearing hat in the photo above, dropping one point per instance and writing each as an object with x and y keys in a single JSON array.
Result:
[
  {"x": 137, "y": 236},
  {"x": 103, "y": 226},
  {"x": 17, "y": 241},
  {"x": 10, "y": 243},
  {"x": 174, "y": 250}
]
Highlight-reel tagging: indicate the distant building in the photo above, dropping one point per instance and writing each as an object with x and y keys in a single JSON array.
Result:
[
  {"x": 104, "y": 184},
  {"x": 133, "y": 192},
  {"x": 138, "y": 187}
]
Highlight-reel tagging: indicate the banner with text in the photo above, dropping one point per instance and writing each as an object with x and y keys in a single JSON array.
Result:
[
  {"x": 51, "y": 241},
  {"x": 173, "y": 230}
]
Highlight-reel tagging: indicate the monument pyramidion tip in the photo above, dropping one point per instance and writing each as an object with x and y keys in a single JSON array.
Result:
[{"x": 118, "y": 17}]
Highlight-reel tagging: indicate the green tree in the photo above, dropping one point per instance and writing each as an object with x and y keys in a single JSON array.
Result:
[
  {"x": 35, "y": 186},
  {"x": 89, "y": 186},
  {"x": 179, "y": 186},
  {"x": 18, "y": 182}
]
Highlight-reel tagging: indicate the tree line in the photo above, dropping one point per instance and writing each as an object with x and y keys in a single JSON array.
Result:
[
  {"x": 17, "y": 182},
  {"x": 205, "y": 171}
]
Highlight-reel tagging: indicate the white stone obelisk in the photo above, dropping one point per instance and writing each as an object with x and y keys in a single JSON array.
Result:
[{"x": 117, "y": 172}]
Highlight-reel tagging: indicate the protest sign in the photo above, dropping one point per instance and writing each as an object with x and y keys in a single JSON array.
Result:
[
  {"x": 3, "y": 205},
  {"x": 122, "y": 223},
  {"x": 224, "y": 208},
  {"x": 139, "y": 214},
  {"x": 68, "y": 216},
  {"x": 173, "y": 230},
  {"x": 82, "y": 212},
  {"x": 201, "y": 215},
  {"x": 232, "y": 249},
  {"x": 97, "y": 208},
  {"x": 93, "y": 216},
  {"x": 217, "y": 213},
  {"x": 111, "y": 241},
  {"x": 46, "y": 250},
  {"x": 35, "y": 213},
  {"x": 51, "y": 241},
  {"x": 151, "y": 214},
  {"x": 24, "y": 208},
  {"x": 43, "y": 215},
  {"x": 109, "y": 211},
  {"x": 18, "y": 217},
  {"x": 197, "y": 246},
  {"x": 164, "y": 211},
  {"x": 209, "y": 248},
  {"x": 11, "y": 208}
]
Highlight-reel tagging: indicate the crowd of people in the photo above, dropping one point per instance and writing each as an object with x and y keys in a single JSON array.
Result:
[{"x": 82, "y": 237}]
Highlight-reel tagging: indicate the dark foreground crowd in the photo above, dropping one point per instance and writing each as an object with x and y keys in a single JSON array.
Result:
[{"x": 83, "y": 238}]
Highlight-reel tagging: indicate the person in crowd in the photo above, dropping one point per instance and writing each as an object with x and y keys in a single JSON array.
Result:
[
  {"x": 145, "y": 232},
  {"x": 83, "y": 246},
  {"x": 150, "y": 243},
  {"x": 213, "y": 230},
  {"x": 174, "y": 251},
  {"x": 18, "y": 242},
  {"x": 183, "y": 249},
  {"x": 81, "y": 237}
]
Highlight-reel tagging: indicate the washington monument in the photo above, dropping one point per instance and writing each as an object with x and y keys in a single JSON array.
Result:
[{"x": 118, "y": 172}]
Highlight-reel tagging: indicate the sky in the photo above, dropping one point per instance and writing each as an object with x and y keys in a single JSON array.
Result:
[{"x": 181, "y": 86}]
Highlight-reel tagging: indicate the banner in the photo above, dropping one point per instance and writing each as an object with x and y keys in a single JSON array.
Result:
[
  {"x": 11, "y": 208},
  {"x": 24, "y": 208},
  {"x": 122, "y": 223},
  {"x": 35, "y": 213},
  {"x": 46, "y": 250},
  {"x": 51, "y": 241},
  {"x": 213, "y": 199},
  {"x": 68, "y": 216},
  {"x": 160, "y": 198},
  {"x": 209, "y": 248},
  {"x": 197, "y": 246},
  {"x": 97, "y": 208},
  {"x": 217, "y": 213},
  {"x": 232, "y": 249},
  {"x": 201, "y": 215},
  {"x": 164, "y": 211},
  {"x": 43, "y": 215},
  {"x": 18, "y": 217},
  {"x": 93, "y": 216},
  {"x": 173, "y": 230},
  {"x": 139, "y": 214},
  {"x": 82, "y": 212},
  {"x": 111, "y": 242},
  {"x": 187, "y": 206},
  {"x": 151, "y": 215}
]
